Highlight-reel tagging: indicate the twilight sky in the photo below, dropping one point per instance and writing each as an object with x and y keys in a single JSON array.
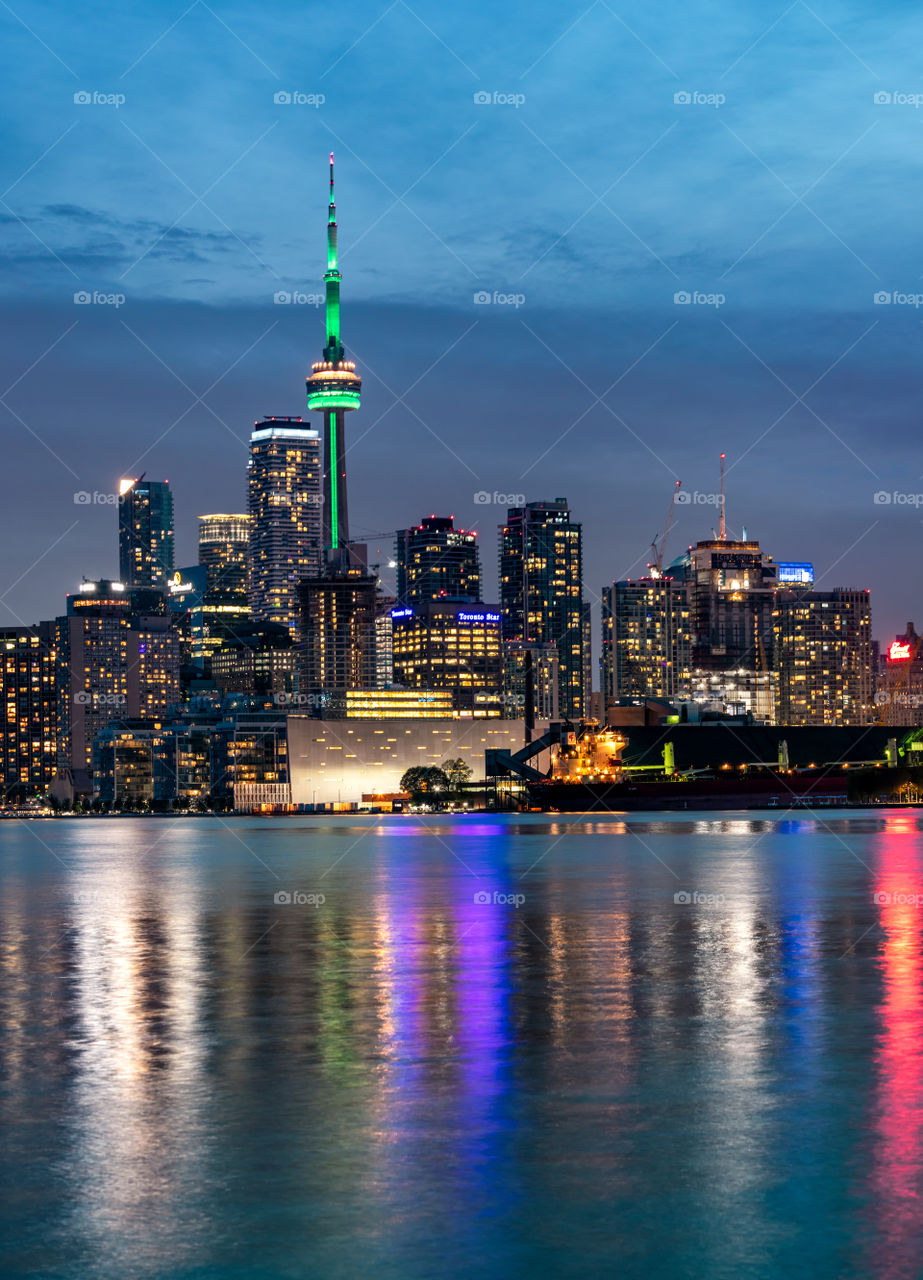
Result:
[{"x": 587, "y": 163}]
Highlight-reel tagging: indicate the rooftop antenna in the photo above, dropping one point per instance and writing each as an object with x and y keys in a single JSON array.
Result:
[{"x": 722, "y": 526}]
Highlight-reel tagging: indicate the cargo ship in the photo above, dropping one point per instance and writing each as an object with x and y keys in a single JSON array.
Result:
[{"x": 588, "y": 774}]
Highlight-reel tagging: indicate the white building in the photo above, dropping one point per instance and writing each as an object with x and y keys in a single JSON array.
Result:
[{"x": 342, "y": 760}]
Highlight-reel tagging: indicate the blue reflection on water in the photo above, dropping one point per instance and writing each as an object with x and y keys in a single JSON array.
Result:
[{"x": 497, "y": 1046}]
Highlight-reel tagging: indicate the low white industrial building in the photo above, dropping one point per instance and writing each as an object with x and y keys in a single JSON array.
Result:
[{"x": 334, "y": 761}]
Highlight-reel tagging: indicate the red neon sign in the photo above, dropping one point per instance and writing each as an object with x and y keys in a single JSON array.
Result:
[{"x": 899, "y": 652}]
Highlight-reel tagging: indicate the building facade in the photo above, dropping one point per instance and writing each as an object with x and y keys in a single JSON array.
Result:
[
  {"x": 154, "y": 662},
  {"x": 736, "y": 691},
  {"x": 285, "y": 498},
  {"x": 384, "y": 642},
  {"x": 543, "y": 665},
  {"x": 145, "y": 533},
  {"x": 434, "y": 560},
  {"x": 191, "y": 763},
  {"x": 454, "y": 645},
  {"x": 92, "y": 645},
  {"x": 732, "y": 587},
  {"x": 261, "y": 660},
  {"x": 333, "y": 761},
  {"x": 338, "y": 617},
  {"x": 646, "y": 639},
  {"x": 28, "y": 710},
  {"x": 110, "y": 664},
  {"x": 224, "y": 543},
  {"x": 541, "y": 598},
  {"x": 823, "y": 658},
  {"x": 899, "y": 682},
  {"x": 212, "y": 618}
]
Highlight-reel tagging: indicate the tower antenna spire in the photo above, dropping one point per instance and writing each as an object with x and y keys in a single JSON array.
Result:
[
  {"x": 333, "y": 351},
  {"x": 333, "y": 389},
  {"x": 722, "y": 524}
]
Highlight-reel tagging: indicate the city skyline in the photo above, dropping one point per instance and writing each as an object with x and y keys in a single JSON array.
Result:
[
  {"x": 499, "y": 207},
  {"x": 461, "y": 754}
]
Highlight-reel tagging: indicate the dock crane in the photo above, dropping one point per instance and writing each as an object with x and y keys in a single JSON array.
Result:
[{"x": 657, "y": 549}]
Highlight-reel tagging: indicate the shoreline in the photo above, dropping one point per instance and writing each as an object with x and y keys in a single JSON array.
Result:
[{"x": 854, "y": 806}]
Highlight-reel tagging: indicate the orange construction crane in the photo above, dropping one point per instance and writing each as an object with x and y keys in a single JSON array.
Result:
[{"x": 658, "y": 548}]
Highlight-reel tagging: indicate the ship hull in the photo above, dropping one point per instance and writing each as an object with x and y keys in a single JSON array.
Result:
[{"x": 757, "y": 791}]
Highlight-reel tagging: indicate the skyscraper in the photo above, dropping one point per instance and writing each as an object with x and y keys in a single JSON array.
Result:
[
  {"x": 646, "y": 639},
  {"x": 732, "y": 586},
  {"x": 823, "y": 655},
  {"x": 212, "y": 617},
  {"x": 145, "y": 533},
  {"x": 285, "y": 496},
  {"x": 28, "y": 696},
  {"x": 92, "y": 645},
  {"x": 732, "y": 589},
  {"x": 899, "y": 680},
  {"x": 223, "y": 544},
  {"x": 541, "y": 598},
  {"x": 260, "y": 659},
  {"x": 435, "y": 560},
  {"x": 451, "y": 644},
  {"x": 333, "y": 389},
  {"x": 154, "y": 660},
  {"x": 338, "y": 633}
]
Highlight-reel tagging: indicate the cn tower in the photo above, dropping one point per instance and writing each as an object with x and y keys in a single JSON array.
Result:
[{"x": 333, "y": 389}]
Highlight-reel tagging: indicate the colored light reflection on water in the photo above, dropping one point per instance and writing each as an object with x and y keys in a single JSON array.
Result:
[
  {"x": 652, "y": 1046},
  {"x": 897, "y": 1103}
]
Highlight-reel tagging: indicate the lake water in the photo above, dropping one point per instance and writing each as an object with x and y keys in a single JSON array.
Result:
[{"x": 473, "y": 1046}]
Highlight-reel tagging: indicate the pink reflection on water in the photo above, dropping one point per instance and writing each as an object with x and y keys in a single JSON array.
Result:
[{"x": 896, "y": 1182}]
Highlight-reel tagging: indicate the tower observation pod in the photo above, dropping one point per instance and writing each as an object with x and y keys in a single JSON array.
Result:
[{"x": 333, "y": 389}]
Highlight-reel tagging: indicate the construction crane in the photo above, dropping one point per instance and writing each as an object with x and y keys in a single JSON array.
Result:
[{"x": 657, "y": 549}]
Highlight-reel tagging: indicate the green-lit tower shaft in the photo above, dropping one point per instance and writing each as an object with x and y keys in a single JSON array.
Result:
[{"x": 334, "y": 389}]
